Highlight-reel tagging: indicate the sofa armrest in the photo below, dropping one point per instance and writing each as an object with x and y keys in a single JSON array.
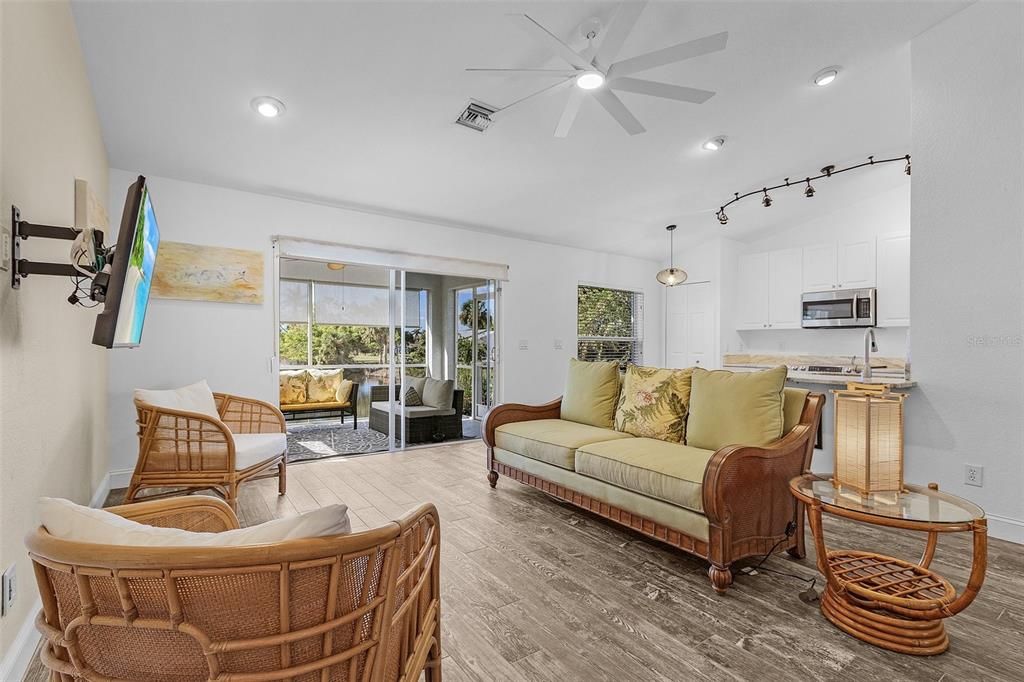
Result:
[
  {"x": 196, "y": 513},
  {"x": 509, "y": 413},
  {"x": 379, "y": 394},
  {"x": 746, "y": 489}
]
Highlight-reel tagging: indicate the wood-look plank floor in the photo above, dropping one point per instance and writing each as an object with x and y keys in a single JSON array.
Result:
[{"x": 534, "y": 589}]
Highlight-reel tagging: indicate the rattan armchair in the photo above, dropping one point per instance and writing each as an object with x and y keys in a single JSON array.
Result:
[
  {"x": 364, "y": 606},
  {"x": 190, "y": 450}
]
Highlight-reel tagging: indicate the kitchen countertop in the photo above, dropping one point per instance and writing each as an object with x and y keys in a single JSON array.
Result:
[{"x": 753, "y": 363}]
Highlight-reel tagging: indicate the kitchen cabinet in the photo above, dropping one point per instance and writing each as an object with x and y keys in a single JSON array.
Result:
[
  {"x": 893, "y": 279},
  {"x": 752, "y": 291},
  {"x": 784, "y": 285},
  {"x": 819, "y": 267},
  {"x": 768, "y": 290},
  {"x": 843, "y": 265}
]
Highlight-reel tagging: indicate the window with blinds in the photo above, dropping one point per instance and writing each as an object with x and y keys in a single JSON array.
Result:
[{"x": 610, "y": 324}]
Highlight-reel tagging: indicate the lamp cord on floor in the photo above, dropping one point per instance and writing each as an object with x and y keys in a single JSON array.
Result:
[{"x": 809, "y": 595}]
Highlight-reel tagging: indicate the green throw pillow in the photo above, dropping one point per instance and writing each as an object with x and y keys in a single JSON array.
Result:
[
  {"x": 591, "y": 393},
  {"x": 654, "y": 403},
  {"x": 735, "y": 408}
]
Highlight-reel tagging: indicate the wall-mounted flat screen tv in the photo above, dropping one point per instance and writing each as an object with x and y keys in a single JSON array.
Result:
[{"x": 131, "y": 273}]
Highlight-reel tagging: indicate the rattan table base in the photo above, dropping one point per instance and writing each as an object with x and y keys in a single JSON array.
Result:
[{"x": 917, "y": 637}]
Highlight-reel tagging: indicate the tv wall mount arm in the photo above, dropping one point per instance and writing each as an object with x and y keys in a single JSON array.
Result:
[{"x": 23, "y": 267}]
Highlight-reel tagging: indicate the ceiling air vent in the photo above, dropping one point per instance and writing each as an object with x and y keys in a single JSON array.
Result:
[{"x": 476, "y": 116}]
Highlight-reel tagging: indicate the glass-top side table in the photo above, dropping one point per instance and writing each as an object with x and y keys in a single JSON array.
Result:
[{"x": 888, "y": 602}]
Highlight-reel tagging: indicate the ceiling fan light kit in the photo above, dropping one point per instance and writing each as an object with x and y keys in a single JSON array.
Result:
[
  {"x": 590, "y": 73},
  {"x": 671, "y": 276}
]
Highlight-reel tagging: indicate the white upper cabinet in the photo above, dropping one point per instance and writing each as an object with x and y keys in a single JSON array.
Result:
[
  {"x": 784, "y": 288},
  {"x": 894, "y": 280},
  {"x": 752, "y": 291},
  {"x": 819, "y": 267},
  {"x": 856, "y": 264}
]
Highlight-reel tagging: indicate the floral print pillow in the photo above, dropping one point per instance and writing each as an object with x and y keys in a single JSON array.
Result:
[{"x": 654, "y": 403}]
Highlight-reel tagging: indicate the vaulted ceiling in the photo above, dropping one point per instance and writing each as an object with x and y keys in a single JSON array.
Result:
[{"x": 372, "y": 89}]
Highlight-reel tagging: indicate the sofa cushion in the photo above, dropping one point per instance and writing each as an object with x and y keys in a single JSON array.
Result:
[
  {"x": 672, "y": 472},
  {"x": 793, "y": 400},
  {"x": 438, "y": 393},
  {"x": 293, "y": 386},
  {"x": 195, "y": 397},
  {"x": 344, "y": 393},
  {"x": 551, "y": 440},
  {"x": 654, "y": 402},
  {"x": 414, "y": 412},
  {"x": 591, "y": 393},
  {"x": 69, "y": 521},
  {"x": 735, "y": 408},
  {"x": 253, "y": 448},
  {"x": 322, "y": 385}
]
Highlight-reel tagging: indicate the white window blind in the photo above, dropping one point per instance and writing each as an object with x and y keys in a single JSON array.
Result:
[
  {"x": 610, "y": 324},
  {"x": 360, "y": 305},
  {"x": 294, "y": 301}
]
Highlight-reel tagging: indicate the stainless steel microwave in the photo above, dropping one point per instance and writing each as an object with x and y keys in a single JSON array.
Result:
[{"x": 838, "y": 308}]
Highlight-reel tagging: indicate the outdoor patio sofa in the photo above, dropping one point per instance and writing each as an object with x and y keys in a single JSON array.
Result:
[{"x": 438, "y": 419}]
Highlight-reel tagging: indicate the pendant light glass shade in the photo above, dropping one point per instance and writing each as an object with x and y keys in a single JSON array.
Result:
[{"x": 671, "y": 276}]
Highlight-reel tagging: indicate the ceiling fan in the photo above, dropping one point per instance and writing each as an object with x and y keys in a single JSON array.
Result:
[{"x": 595, "y": 74}]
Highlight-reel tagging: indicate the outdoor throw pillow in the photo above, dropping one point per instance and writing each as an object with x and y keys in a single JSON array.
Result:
[
  {"x": 322, "y": 386},
  {"x": 293, "y": 387},
  {"x": 412, "y": 398},
  {"x": 654, "y": 403}
]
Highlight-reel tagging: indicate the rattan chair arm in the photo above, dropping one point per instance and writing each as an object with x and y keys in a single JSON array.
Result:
[
  {"x": 264, "y": 413},
  {"x": 151, "y": 424},
  {"x": 194, "y": 513},
  {"x": 509, "y": 413}
]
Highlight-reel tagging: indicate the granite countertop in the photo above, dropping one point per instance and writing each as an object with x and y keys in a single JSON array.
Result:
[{"x": 884, "y": 370}]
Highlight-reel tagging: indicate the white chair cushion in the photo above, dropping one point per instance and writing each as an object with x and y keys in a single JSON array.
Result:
[
  {"x": 195, "y": 397},
  {"x": 412, "y": 412},
  {"x": 253, "y": 448},
  {"x": 69, "y": 521}
]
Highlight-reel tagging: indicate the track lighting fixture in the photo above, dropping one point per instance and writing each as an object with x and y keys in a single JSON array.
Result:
[{"x": 809, "y": 191}]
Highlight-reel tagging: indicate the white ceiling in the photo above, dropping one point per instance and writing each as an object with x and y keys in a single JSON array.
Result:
[{"x": 372, "y": 90}]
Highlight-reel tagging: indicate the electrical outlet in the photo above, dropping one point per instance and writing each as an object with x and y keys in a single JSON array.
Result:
[
  {"x": 10, "y": 588},
  {"x": 974, "y": 475},
  {"x": 558, "y": 344}
]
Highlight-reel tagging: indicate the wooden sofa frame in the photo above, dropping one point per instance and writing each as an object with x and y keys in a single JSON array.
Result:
[{"x": 745, "y": 492}]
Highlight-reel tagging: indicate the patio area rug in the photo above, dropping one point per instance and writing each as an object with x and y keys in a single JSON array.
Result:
[{"x": 316, "y": 440}]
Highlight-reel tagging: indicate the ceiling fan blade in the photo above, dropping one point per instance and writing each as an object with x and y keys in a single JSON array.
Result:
[
  {"x": 544, "y": 73},
  {"x": 614, "y": 106},
  {"x": 550, "y": 88},
  {"x": 619, "y": 29},
  {"x": 666, "y": 90},
  {"x": 546, "y": 39},
  {"x": 572, "y": 107},
  {"x": 669, "y": 55}
]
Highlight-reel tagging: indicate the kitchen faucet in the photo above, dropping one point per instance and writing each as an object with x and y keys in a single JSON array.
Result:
[{"x": 869, "y": 347}]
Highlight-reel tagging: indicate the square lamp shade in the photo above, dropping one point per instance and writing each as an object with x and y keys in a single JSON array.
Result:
[{"x": 869, "y": 438}]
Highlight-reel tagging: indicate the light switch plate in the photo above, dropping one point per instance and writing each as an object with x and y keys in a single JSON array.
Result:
[
  {"x": 558, "y": 344},
  {"x": 9, "y": 583},
  {"x": 524, "y": 344}
]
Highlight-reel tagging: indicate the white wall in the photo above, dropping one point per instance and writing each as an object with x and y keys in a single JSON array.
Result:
[
  {"x": 231, "y": 345},
  {"x": 52, "y": 380},
  {"x": 966, "y": 260}
]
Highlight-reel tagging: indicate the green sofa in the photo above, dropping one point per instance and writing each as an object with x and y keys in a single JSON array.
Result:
[{"x": 722, "y": 504}]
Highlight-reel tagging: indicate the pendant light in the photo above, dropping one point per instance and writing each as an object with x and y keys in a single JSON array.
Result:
[{"x": 671, "y": 276}]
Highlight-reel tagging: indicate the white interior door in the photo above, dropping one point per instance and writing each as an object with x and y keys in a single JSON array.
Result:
[{"x": 691, "y": 326}]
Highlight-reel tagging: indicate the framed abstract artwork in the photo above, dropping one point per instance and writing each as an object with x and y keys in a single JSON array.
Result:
[{"x": 208, "y": 273}]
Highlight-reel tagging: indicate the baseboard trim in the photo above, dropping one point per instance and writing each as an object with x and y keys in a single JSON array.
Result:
[
  {"x": 1006, "y": 528},
  {"x": 119, "y": 478},
  {"x": 18, "y": 657}
]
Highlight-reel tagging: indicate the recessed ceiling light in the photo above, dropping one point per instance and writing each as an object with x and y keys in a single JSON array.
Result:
[
  {"x": 826, "y": 76},
  {"x": 590, "y": 80},
  {"x": 714, "y": 144},
  {"x": 268, "y": 107}
]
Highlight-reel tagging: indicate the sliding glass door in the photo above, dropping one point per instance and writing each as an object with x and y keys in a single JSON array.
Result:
[{"x": 476, "y": 346}]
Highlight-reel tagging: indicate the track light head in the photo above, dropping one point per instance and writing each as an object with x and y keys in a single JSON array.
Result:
[
  {"x": 767, "y": 201},
  {"x": 907, "y": 169},
  {"x": 722, "y": 218},
  {"x": 809, "y": 192}
]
